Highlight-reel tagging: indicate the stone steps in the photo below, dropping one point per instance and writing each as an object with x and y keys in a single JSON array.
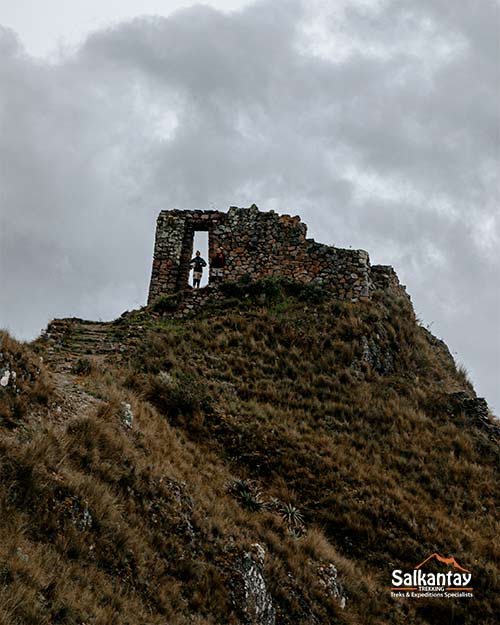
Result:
[{"x": 68, "y": 340}]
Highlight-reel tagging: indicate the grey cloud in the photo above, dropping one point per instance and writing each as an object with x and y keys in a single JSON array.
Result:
[{"x": 388, "y": 145}]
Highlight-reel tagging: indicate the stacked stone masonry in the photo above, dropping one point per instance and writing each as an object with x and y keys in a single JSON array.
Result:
[{"x": 256, "y": 245}]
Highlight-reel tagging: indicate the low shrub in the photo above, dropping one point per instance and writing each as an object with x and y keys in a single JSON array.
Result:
[
  {"x": 180, "y": 394},
  {"x": 83, "y": 366},
  {"x": 166, "y": 303}
]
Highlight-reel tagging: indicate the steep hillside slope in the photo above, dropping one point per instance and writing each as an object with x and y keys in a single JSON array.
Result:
[{"x": 269, "y": 458}]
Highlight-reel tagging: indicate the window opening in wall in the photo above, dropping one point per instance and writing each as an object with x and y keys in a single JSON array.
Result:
[{"x": 200, "y": 242}]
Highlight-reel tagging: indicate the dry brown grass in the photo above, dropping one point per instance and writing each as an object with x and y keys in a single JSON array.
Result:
[
  {"x": 29, "y": 387},
  {"x": 276, "y": 392}
]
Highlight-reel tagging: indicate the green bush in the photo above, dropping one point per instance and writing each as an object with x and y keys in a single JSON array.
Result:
[
  {"x": 312, "y": 293},
  {"x": 273, "y": 290},
  {"x": 166, "y": 303}
]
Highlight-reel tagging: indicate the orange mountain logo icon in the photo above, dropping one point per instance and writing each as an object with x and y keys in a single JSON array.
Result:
[{"x": 447, "y": 561}]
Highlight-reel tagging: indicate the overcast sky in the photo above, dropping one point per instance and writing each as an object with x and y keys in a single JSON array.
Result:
[{"x": 375, "y": 120}]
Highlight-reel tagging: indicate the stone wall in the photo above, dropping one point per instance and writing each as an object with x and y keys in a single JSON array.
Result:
[{"x": 256, "y": 245}]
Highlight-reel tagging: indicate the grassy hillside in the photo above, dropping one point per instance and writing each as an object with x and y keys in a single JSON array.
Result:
[{"x": 268, "y": 459}]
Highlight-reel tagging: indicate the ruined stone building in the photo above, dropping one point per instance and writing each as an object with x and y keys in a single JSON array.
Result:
[{"x": 256, "y": 245}]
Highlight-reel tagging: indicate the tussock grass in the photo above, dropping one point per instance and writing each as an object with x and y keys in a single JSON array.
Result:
[
  {"x": 259, "y": 416},
  {"x": 28, "y": 388}
]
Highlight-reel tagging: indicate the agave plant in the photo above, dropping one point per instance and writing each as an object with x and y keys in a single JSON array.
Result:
[
  {"x": 296, "y": 532},
  {"x": 247, "y": 493},
  {"x": 236, "y": 487},
  {"x": 273, "y": 504},
  {"x": 252, "y": 501},
  {"x": 292, "y": 516}
]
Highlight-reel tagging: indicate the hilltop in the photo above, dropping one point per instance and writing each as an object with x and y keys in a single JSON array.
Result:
[{"x": 268, "y": 457}]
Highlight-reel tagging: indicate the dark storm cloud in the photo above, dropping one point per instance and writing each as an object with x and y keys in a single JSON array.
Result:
[{"x": 377, "y": 122}]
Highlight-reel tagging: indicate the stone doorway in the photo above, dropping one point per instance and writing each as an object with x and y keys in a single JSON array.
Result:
[
  {"x": 195, "y": 233},
  {"x": 200, "y": 242}
]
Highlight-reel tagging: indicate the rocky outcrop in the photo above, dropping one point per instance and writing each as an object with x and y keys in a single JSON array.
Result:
[
  {"x": 250, "y": 592},
  {"x": 329, "y": 580},
  {"x": 379, "y": 358},
  {"x": 475, "y": 408}
]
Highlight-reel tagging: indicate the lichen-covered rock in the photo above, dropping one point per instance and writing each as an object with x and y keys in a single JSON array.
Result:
[
  {"x": 23, "y": 383},
  {"x": 380, "y": 359},
  {"x": 329, "y": 580},
  {"x": 250, "y": 592},
  {"x": 4, "y": 377},
  {"x": 126, "y": 415}
]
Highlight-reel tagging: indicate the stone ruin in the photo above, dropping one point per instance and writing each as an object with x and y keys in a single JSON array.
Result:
[{"x": 256, "y": 245}]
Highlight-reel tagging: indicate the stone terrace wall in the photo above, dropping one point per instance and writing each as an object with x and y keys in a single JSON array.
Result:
[{"x": 256, "y": 244}]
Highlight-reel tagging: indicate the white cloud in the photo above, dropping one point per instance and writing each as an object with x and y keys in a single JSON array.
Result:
[
  {"x": 389, "y": 146},
  {"x": 54, "y": 28}
]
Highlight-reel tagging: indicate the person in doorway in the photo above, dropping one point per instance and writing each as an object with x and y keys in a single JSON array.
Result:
[
  {"x": 217, "y": 266},
  {"x": 196, "y": 264}
]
